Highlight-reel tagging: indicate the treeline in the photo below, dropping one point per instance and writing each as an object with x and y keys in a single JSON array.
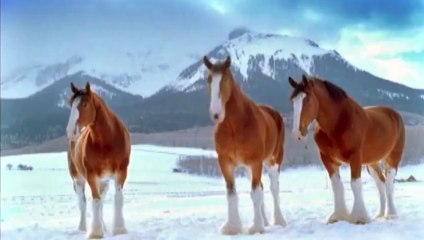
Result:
[{"x": 305, "y": 153}]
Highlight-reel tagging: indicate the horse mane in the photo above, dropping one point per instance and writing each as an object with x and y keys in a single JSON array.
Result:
[
  {"x": 82, "y": 92},
  {"x": 336, "y": 93}
]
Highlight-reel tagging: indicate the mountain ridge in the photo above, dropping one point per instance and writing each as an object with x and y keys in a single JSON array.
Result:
[{"x": 184, "y": 102}]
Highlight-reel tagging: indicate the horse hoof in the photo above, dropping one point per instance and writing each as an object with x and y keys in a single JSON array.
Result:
[
  {"x": 82, "y": 228},
  {"x": 379, "y": 215},
  {"x": 280, "y": 222},
  {"x": 96, "y": 232},
  {"x": 359, "y": 219},
  {"x": 119, "y": 231},
  {"x": 333, "y": 218},
  {"x": 231, "y": 229},
  {"x": 256, "y": 229},
  {"x": 390, "y": 216},
  {"x": 266, "y": 223},
  {"x": 95, "y": 235}
]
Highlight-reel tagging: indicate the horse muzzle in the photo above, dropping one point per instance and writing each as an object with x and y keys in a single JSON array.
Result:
[
  {"x": 301, "y": 134},
  {"x": 217, "y": 117}
]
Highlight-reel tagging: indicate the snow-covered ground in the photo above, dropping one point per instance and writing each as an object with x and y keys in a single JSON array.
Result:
[{"x": 160, "y": 204}]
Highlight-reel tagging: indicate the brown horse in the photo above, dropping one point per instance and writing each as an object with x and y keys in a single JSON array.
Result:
[
  {"x": 99, "y": 152},
  {"x": 245, "y": 134},
  {"x": 348, "y": 133}
]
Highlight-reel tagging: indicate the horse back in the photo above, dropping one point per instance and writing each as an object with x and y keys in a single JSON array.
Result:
[
  {"x": 275, "y": 116},
  {"x": 385, "y": 131}
]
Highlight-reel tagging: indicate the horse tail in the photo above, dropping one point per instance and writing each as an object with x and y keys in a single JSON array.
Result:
[
  {"x": 395, "y": 155},
  {"x": 279, "y": 156},
  {"x": 279, "y": 147}
]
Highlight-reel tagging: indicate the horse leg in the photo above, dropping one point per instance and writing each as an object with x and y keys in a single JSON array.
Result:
[
  {"x": 391, "y": 163},
  {"x": 233, "y": 224},
  {"x": 257, "y": 196},
  {"x": 274, "y": 173},
  {"x": 118, "y": 217},
  {"x": 375, "y": 171},
  {"x": 263, "y": 212},
  {"x": 104, "y": 187},
  {"x": 79, "y": 187},
  {"x": 359, "y": 213},
  {"x": 340, "y": 212},
  {"x": 96, "y": 230},
  {"x": 249, "y": 176}
]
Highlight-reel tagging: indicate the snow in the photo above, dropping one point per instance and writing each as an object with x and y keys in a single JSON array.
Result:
[
  {"x": 141, "y": 72},
  {"x": 267, "y": 48},
  {"x": 392, "y": 95},
  {"x": 159, "y": 204},
  {"x": 422, "y": 96}
]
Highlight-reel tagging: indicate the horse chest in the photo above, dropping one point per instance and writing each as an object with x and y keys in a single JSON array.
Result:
[
  {"x": 238, "y": 146},
  {"x": 335, "y": 146}
]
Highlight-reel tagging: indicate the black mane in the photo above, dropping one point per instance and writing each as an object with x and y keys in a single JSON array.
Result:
[{"x": 335, "y": 92}]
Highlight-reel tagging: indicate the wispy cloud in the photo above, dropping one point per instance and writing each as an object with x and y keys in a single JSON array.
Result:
[{"x": 374, "y": 35}]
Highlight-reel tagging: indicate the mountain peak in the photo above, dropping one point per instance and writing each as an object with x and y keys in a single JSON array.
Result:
[{"x": 237, "y": 32}]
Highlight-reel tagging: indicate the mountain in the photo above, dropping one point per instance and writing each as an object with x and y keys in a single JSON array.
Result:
[
  {"x": 142, "y": 72},
  {"x": 261, "y": 63},
  {"x": 44, "y": 115}
]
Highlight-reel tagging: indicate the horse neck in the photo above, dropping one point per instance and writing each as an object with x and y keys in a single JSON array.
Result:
[
  {"x": 237, "y": 106},
  {"x": 328, "y": 107},
  {"x": 102, "y": 127}
]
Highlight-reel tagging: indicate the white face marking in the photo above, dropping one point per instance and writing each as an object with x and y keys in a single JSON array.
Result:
[
  {"x": 216, "y": 108},
  {"x": 297, "y": 110},
  {"x": 71, "y": 129}
]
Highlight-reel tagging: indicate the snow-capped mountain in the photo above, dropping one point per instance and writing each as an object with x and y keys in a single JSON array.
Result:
[
  {"x": 141, "y": 72},
  {"x": 266, "y": 53},
  {"x": 261, "y": 63}
]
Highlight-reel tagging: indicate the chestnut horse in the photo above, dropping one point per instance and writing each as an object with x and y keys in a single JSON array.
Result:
[
  {"x": 348, "y": 133},
  {"x": 99, "y": 152},
  {"x": 245, "y": 134}
]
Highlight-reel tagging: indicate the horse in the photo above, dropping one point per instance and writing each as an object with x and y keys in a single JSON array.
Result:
[
  {"x": 246, "y": 134},
  {"x": 347, "y": 133},
  {"x": 98, "y": 150}
]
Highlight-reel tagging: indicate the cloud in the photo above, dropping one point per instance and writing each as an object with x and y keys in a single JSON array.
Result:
[
  {"x": 34, "y": 32},
  {"x": 376, "y": 33},
  {"x": 387, "y": 54}
]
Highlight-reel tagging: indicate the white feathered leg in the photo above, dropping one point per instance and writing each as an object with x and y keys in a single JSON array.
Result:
[
  {"x": 118, "y": 217},
  {"x": 275, "y": 190}
]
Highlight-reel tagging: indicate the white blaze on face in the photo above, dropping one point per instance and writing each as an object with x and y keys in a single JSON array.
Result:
[
  {"x": 297, "y": 110},
  {"x": 216, "y": 108},
  {"x": 71, "y": 129}
]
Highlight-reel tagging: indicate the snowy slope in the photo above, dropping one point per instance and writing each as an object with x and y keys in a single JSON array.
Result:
[
  {"x": 141, "y": 72},
  {"x": 160, "y": 204},
  {"x": 266, "y": 49}
]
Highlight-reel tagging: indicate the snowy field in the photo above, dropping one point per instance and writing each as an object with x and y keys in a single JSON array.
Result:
[{"x": 159, "y": 204}]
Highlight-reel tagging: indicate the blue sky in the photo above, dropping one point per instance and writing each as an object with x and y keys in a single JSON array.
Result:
[{"x": 383, "y": 37}]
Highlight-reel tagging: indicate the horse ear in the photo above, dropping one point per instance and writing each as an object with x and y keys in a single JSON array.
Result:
[
  {"x": 227, "y": 62},
  {"x": 304, "y": 79},
  {"x": 73, "y": 88},
  {"x": 207, "y": 63},
  {"x": 87, "y": 88},
  {"x": 292, "y": 82}
]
